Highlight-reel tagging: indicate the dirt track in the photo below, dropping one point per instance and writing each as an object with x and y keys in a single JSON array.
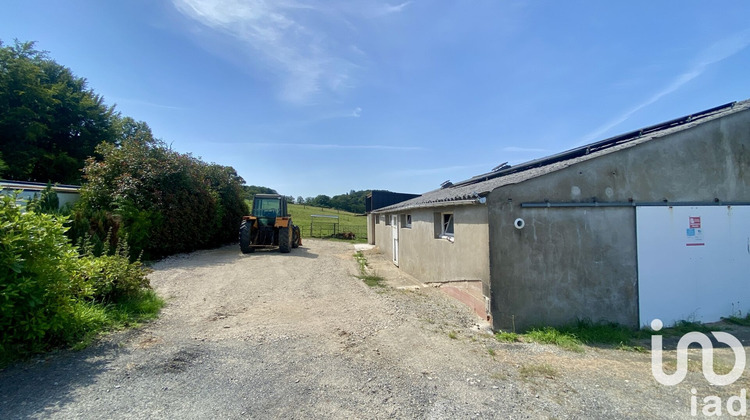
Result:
[{"x": 298, "y": 336}]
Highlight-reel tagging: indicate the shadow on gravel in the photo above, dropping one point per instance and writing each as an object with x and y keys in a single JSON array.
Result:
[
  {"x": 300, "y": 252},
  {"x": 226, "y": 255},
  {"x": 31, "y": 388}
]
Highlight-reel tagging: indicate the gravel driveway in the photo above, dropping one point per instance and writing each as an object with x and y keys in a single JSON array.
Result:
[{"x": 271, "y": 335}]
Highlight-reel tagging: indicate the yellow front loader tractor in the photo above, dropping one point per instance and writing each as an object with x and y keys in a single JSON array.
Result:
[{"x": 269, "y": 226}]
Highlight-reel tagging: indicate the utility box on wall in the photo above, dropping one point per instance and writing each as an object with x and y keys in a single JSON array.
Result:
[{"x": 693, "y": 262}]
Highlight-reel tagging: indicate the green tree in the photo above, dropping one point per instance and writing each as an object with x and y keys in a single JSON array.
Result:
[
  {"x": 50, "y": 121},
  {"x": 163, "y": 201},
  {"x": 322, "y": 200},
  {"x": 353, "y": 201},
  {"x": 3, "y": 165},
  {"x": 251, "y": 190}
]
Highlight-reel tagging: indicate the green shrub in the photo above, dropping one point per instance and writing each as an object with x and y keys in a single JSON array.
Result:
[
  {"x": 112, "y": 277},
  {"x": 39, "y": 286},
  {"x": 165, "y": 202},
  {"x": 51, "y": 296}
]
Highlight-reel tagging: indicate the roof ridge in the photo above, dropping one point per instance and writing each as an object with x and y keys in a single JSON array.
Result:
[{"x": 595, "y": 146}]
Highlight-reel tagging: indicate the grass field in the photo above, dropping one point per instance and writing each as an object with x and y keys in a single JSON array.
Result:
[{"x": 301, "y": 215}]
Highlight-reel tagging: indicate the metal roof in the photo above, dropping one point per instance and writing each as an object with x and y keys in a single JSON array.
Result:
[
  {"x": 36, "y": 186},
  {"x": 480, "y": 185}
]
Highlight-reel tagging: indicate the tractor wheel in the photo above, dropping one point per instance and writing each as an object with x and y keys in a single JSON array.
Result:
[
  {"x": 245, "y": 238},
  {"x": 285, "y": 239},
  {"x": 296, "y": 237}
]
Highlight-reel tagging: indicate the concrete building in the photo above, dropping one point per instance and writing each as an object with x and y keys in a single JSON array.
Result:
[
  {"x": 377, "y": 199},
  {"x": 650, "y": 224}
]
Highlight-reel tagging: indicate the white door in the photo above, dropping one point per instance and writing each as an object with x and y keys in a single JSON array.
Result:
[
  {"x": 693, "y": 262},
  {"x": 394, "y": 224}
]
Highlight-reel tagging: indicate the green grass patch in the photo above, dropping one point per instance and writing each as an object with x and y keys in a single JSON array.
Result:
[
  {"x": 604, "y": 333},
  {"x": 452, "y": 335},
  {"x": 683, "y": 327},
  {"x": 573, "y": 337},
  {"x": 738, "y": 321},
  {"x": 90, "y": 320},
  {"x": 361, "y": 261},
  {"x": 372, "y": 280},
  {"x": 538, "y": 371},
  {"x": 549, "y": 335},
  {"x": 506, "y": 337},
  {"x": 302, "y": 217}
]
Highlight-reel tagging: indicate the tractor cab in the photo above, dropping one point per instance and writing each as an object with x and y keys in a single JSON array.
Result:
[
  {"x": 267, "y": 207},
  {"x": 269, "y": 225}
]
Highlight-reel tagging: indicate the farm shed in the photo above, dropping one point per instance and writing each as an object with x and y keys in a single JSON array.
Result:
[
  {"x": 66, "y": 194},
  {"x": 377, "y": 199},
  {"x": 649, "y": 224}
]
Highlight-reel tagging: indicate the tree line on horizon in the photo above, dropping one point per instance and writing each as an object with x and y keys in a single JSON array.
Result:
[{"x": 352, "y": 202}]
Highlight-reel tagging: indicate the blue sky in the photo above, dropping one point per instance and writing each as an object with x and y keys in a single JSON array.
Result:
[{"x": 322, "y": 97}]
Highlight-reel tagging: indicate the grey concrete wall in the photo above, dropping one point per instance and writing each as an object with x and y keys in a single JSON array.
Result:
[
  {"x": 383, "y": 236},
  {"x": 371, "y": 228},
  {"x": 570, "y": 263},
  {"x": 431, "y": 259}
]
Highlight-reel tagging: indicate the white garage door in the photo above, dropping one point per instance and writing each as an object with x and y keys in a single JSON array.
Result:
[{"x": 693, "y": 262}]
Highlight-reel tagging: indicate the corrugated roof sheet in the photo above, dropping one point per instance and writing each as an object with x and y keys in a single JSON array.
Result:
[
  {"x": 36, "y": 186},
  {"x": 481, "y": 185}
]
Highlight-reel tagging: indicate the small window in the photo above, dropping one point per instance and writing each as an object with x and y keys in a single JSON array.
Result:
[
  {"x": 388, "y": 220},
  {"x": 447, "y": 224},
  {"x": 377, "y": 219},
  {"x": 381, "y": 218},
  {"x": 406, "y": 221},
  {"x": 444, "y": 226}
]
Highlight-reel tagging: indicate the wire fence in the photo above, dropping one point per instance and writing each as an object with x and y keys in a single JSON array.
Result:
[{"x": 333, "y": 230}]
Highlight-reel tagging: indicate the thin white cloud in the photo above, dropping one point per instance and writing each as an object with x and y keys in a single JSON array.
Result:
[
  {"x": 355, "y": 113},
  {"x": 387, "y": 9},
  {"x": 717, "y": 52},
  {"x": 305, "y": 45}
]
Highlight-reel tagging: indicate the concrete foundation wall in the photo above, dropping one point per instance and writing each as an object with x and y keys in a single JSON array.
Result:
[
  {"x": 432, "y": 259},
  {"x": 570, "y": 263}
]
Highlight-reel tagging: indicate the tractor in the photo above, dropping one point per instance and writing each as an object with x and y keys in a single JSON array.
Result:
[{"x": 269, "y": 226}]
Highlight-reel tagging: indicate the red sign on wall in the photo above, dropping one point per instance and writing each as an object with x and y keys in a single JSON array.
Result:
[{"x": 695, "y": 222}]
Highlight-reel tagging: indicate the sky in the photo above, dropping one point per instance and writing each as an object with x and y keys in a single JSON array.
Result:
[{"x": 324, "y": 97}]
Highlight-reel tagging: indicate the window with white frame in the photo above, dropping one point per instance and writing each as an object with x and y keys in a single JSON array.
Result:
[
  {"x": 447, "y": 228},
  {"x": 444, "y": 225},
  {"x": 406, "y": 221},
  {"x": 388, "y": 220}
]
